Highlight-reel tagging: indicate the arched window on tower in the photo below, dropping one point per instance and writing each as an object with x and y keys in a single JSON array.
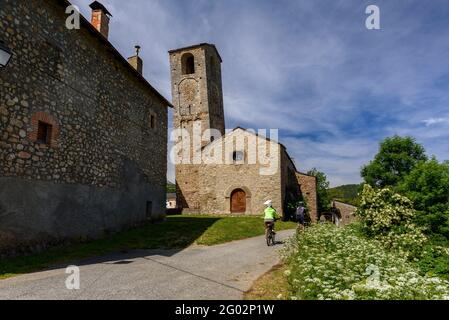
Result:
[{"x": 188, "y": 63}]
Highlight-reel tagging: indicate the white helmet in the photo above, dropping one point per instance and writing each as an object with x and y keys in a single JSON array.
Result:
[{"x": 268, "y": 203}]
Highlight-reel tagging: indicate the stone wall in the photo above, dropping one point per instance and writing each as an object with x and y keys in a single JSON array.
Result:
[
  {"x": 347, "y": 212},
  {"x": 308, "y": 185},
  {"x": 291, "y": 190},
  {"x": 104, "y": 164}
]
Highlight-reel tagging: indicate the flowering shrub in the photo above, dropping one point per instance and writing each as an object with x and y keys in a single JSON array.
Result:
[
  {"x": 326, "y": 262},
  {"x": 388, "y": 216}
]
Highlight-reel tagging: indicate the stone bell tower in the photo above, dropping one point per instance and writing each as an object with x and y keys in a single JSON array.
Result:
[{"x": 198, "y": 99}]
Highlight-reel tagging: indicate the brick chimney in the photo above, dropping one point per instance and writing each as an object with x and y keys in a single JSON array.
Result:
[
  {"x": 135, "y": 61},
  {"x": 100, "y": 18}
]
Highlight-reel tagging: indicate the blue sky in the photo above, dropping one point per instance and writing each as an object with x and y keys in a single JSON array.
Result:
[{"x": 309, "y": 68}]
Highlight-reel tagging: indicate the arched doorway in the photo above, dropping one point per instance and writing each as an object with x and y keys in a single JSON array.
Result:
[{"x": 238, "y": 201}]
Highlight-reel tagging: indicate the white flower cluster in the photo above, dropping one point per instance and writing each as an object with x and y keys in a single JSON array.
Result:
[
  {"x": 334, "y": 263},
  {"x": 388, "y": 217}
]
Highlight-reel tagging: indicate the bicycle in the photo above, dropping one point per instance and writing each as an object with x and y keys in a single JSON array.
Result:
[{"x": 270, "y": 236}]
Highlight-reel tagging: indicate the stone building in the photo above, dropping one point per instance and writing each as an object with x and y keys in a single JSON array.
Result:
[
  {"x": 347, "y": 212},
  {"x": 83, "y": 135},
  {"x": 171, "y": 201},
  {"x": 235, "y": 181}
]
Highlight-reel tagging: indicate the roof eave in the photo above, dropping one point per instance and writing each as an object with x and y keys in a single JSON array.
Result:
[{"x": 117, "y": 54}]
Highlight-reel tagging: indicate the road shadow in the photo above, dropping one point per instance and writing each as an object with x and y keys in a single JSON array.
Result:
[{"x": 164, "y": 238}]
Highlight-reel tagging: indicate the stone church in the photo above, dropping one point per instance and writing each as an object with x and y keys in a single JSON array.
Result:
[{"x": 237, "y": 183}]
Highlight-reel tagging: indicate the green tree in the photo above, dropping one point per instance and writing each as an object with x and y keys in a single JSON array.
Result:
[
  {"x": 323, "y": 197},
  {"x": 396, "y": 158},
  {"x": 427, "y": 186}
]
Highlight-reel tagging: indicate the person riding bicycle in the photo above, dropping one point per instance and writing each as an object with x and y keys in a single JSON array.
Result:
[{"x": 270, "y": 216}]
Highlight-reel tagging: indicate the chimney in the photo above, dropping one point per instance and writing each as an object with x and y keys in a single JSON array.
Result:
[
  {"x": 100, "y": 18},
  {"x": 135, "y": 61}
]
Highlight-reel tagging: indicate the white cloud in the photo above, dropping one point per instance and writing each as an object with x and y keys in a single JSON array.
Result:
[
  {"x": 432, "y": 121},
  {"x": 309, "y": 68}
]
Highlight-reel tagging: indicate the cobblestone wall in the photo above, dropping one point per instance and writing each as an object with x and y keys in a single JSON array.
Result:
[{"x": 98, "y": 110}]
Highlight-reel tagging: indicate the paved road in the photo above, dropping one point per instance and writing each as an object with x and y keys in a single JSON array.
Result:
[{"x": 221, "y": 272}]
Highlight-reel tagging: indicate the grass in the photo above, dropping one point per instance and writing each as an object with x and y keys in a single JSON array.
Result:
[
  {"x": 236, "y": 228},
  {"x": 435, "y": 258},
  {"x": 271, "y": 286},
  {"x": 176, "y": 232}
]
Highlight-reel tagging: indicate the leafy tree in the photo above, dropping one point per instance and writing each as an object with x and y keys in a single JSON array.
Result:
[
  {"x": 396, "y": 158},
  {"x": 427, "y": 186},
  {"x": 171, "y": 187},
  {"x": 323, "y": 197}
]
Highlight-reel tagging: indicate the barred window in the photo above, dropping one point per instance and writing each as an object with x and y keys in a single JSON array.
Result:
[{"x": 44, "y": 131}]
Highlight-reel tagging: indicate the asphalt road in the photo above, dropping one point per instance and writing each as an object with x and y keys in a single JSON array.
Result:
[{"x": 219, "y": 272}]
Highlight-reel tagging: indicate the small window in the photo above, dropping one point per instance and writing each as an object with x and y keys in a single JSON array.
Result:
[
  {"x": 44, "y": 132},
  {"x": 238, "y": 156},
  {"x": 188, "y": 63}
]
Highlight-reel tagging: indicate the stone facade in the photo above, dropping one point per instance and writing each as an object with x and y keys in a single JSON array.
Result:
[
  {"x": 218, "y": 182},
  {"x": 103, "y": 166},
  {"x": 308, "y": 186},
  {"x": 211, "y": 188},
  {"x": 347, "y": 212}
]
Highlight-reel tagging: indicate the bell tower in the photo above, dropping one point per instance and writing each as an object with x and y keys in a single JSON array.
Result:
[
  {"x": 198, "y": 99},
  {"x": 196, "y": 87}
]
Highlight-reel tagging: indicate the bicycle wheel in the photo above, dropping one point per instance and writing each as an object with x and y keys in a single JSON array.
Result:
[
  {"x": 273, "y": 239},
  {"x": 268, "y": 238}
]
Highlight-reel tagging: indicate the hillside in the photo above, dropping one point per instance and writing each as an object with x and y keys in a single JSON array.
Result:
[{"x": 346, "y": 193}]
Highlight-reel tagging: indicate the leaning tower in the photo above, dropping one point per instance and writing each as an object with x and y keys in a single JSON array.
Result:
[{"x": 198, "y": 99}]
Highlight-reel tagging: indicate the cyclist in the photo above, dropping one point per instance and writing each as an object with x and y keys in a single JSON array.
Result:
[
  {"x": 300, "y": 215},
  {"x": 270, "y": 216}
]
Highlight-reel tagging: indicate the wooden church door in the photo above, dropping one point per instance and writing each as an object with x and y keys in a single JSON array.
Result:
[{"x": 238, "y": 201}]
